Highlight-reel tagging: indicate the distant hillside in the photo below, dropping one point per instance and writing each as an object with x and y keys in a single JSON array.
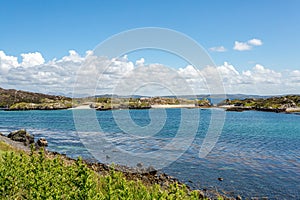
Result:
[
  {"x": 288, "y": 103},
  {"x": 9, "y": 97}
]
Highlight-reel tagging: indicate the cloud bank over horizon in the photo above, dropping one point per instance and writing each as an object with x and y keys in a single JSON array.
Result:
[{"x": 59, "y": 76}]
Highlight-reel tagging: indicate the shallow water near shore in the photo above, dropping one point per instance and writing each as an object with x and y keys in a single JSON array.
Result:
[{"x": 257, "y": 154}]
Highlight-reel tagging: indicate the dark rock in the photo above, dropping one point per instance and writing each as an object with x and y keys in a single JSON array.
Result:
[
  {"x": 151, "y": 170},
  {"x": 1, "y": 134},
  {"x": 220, "y": 179},
  {"x": 42, "y": 142},
  {"x": 21, "y": 136},
  {"x": 238, "y": 197}
]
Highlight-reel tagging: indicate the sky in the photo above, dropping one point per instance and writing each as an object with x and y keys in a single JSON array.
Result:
[{"x": 254, "y": 44}]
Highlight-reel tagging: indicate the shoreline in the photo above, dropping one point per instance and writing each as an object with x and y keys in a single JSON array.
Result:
[
  {"x": 149, "y": 176},
  {"x": 275, "y": 110}
]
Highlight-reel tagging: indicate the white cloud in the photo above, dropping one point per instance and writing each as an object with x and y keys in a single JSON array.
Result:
[
  {"x": 93, "y": 74},
  {"x": 73, "y": 56},
  {"x": 140, "y": 62},
  {"x": 255, "y": 42},
  {"x": 32, "y": 59},
  {"x": 246, "y": 46},
  {"x": 241, "y": 46},
  {"x": 7, "y": 62},
  {"x": 218, "y": 49}
]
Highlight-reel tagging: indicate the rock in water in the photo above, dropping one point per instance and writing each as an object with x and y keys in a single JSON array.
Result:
[
  {"x": 21, "y": 136},
  {"x": 42, "y": 142}
]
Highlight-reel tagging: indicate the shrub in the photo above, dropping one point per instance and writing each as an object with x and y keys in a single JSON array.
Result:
[{"x": 37, "y": 177}]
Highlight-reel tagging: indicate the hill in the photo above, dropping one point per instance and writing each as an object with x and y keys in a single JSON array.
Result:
[{"x": 17, "y": 99}]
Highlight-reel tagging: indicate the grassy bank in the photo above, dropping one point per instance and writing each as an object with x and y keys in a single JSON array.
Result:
[{"x": 37, "y": 176}]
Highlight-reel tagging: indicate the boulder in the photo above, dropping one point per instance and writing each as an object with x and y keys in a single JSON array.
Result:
[
  {"x": 21, "y": 136},
  {"x": 42, "y": 142},
  {"x": 151, "y": 170}
]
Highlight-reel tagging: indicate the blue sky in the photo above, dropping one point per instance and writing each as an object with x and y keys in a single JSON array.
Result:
[{"x": 53, "y": 27}]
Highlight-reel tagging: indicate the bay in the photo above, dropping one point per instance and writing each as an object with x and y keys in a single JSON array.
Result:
[{"x": 257, "y": 153}]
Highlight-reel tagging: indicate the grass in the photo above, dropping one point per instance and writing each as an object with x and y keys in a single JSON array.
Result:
[
  {"x": 34, "y": 176},
  {"x": 4, "y": 148}
]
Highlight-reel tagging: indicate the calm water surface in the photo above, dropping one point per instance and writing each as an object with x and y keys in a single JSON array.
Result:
[{"x": 257, "y": 154}]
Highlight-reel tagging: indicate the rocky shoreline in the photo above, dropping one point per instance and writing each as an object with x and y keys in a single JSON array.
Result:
[
  {"x": 282, "y": 104},
  {"x": 24, "y": 141}
]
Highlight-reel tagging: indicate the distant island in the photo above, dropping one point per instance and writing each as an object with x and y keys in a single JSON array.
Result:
[
  {"x": 11, "y": 99},
  {"x": 288, "y": 103}
]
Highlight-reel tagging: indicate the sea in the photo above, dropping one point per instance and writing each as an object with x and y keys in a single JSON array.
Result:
[{"x": 252, "y": 154}]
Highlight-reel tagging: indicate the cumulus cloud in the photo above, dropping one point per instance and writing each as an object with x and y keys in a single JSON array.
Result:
[
  {"x": 241, "y": 46},
  {"x": 140, "y": 62},
  {"x": 245, "y": 46},
  {"x": 255, "y": 42},
  {"x": 218, "y": 49},
  {"x": 91, "y": 74},
  {"x": 7, "y": 62},
  {"x": 32, "y": 59}
]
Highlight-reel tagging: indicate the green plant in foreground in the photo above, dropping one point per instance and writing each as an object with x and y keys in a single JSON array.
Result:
[{"x": 37, "y": 177}]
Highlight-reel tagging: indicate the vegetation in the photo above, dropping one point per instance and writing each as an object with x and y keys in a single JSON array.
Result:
[
  {"x": 144, "y": 102},
  {"x": 17, "y": 99},
  {"x": 281, "y": 103},
  {"x": 34, "y": 176},
  {"x": 21, "y": 100}
]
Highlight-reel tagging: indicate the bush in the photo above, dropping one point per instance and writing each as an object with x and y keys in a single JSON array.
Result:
[{"x": 36, "y": 177}]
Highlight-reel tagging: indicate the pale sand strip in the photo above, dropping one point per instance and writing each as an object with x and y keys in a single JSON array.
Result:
[
  {"x": 174, "y": 106},
  {"x": 82, "y": 107},
  {"x": 293, "y": 109}
]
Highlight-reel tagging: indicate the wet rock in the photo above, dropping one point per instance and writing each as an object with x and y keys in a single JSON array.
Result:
[
  {"x": 238, "y": 197},
  {"x": 151, "y": 170},
  {"x": 42, "y": 142},
  {"x": 21, "y": 136}
]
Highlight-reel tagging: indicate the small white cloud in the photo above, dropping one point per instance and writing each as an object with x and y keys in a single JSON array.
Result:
[
  {"x": 74, "y": 56},
  {"x": 241, "y": 46},
  {"x": 218, "y": 49},
  {"x": 246, "y": 46},
  {"x": 255, "y": 42},
  {"x": 140, "y": 62},
  {"x": 32, "y": 59}
]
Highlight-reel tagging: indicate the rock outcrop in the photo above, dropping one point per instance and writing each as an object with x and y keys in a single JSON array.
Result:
[
  {"x": 42, "y": 142},
  {"x": 21, "y": 136}
]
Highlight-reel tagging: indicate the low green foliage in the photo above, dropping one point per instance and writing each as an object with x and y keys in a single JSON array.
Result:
[
  {"x": 271, "y": 102},
  {"x": 36, "y": 177}
]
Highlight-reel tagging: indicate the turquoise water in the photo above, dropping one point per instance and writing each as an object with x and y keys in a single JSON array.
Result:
[{"x": 257, "y": 154}]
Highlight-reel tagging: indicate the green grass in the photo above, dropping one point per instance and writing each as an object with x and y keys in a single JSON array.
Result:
[{"x": 34, "y": 176}]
